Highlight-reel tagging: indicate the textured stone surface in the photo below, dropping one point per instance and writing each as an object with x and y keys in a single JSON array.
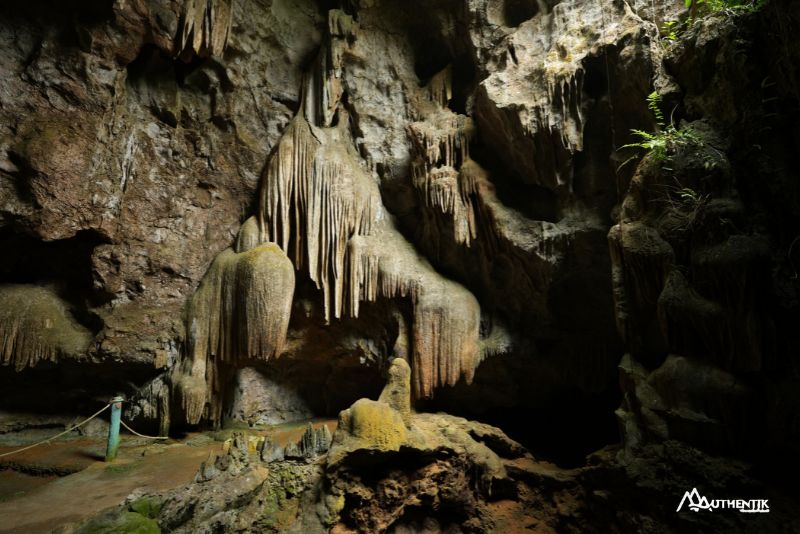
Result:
[
  {"x": 449, "y": 182},
  {"x": 695, "y": 304},
  {"x": 258, "y": 400},
  {"x": 157, "y": 157}
]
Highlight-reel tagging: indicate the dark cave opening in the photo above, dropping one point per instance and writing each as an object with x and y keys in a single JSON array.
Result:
[
  {"x": 68, "y": 386},
  {"x": 562, "y": 425},
  {"x": 65, "y": 264},
  {"x": 564, "y": 429},
  {"x": 533, "y": 201},
  {"x": 86, "y": 12},
  {"x": 515, "y": 12}
]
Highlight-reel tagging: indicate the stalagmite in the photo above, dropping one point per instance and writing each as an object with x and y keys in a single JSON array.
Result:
[
  {"x": 35, "y": 326},
  {"x": 249, "y": 235},
  {"x": 325, "y": 211}
]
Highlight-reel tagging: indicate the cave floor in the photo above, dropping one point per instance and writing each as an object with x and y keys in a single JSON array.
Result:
[{"x": 66, "y": 481}]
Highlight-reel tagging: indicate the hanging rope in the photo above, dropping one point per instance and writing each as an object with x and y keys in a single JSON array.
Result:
[
  {"x": 74, "y": 427},
  {"x": 67, "y": 431},
  {"x": 132, "y": 431}
]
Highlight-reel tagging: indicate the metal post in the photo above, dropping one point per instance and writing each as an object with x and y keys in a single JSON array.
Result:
[{"x": 113, "y": 429}]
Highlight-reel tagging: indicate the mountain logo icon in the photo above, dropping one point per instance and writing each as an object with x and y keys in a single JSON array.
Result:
[{"x": 696, "y": 501}]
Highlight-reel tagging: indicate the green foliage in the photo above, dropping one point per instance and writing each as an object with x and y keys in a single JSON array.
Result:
[
  {"x": 119, "y": 522},
  {"x": 690, "y": 198},
  {"x": 687, "y": 204},
  {"x": 148, "y": 507},
  {"x": 671, "y": 30},
  {"x": 664, "y": 143},
  {"x": 728, "y": 6},
  {"x": 654, "y": 105},
  {"x": 666, "y": 140}
]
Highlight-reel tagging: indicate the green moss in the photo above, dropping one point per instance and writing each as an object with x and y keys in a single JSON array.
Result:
[
  {"x": 119, "y": 522},
  {"x": 279, "y": 509},
  {"x": 4, "y": 498},
  {"x": 282, "y": 497},
  {"x": 147, "y": 506},
  {"x": 378, "y": 424}
]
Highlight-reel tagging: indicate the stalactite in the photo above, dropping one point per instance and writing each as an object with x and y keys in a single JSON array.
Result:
[
  {"x": 440, "y": 87},
  {"x": 35, "y": 326},
  {"x": 318, "y": 202},
  {"x": 206, "y": 26},
  {"x": 441, "y": 147},
  {"x": 240, "y": 312},
  {"x": 322, "y": 85},
  {"x": 446, "y": 315},
  {"x": 314, "y": 198},
  {"x": 324, "y": 210}
]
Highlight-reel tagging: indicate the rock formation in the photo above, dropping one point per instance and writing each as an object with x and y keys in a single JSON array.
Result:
[
  {"x": 239, "y": 313},
  {"x": 35, "y": 326},
  {"x": 434, "y": 472},
  {"x": 576, "y": 221},
  {"x": 206, "y": 25}
]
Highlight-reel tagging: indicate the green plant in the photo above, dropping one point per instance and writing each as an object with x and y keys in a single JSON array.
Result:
[
  {"x": 728, "y": 6},
  {"x": 665, "y": 141},
  {"x": 654, "y": 105},
  {"x": 671, "y": 30},
  {"x": 690, "y": 198}
]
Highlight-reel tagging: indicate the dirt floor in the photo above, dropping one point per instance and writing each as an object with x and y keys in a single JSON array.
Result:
[{"x": 65, "y": 481}]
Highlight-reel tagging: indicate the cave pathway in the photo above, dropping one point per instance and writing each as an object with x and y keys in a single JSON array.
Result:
[{"x": 91, "y": 485}]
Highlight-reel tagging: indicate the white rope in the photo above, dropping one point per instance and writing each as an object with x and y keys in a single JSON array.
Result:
[
  {"x": 132, "y": 431},
  {"x": 67, "y": 431}
]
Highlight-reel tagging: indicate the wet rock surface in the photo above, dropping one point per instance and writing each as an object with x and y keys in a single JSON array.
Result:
[{"x": 442, "y": 473}]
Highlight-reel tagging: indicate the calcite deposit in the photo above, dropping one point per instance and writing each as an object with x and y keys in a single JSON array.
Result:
[{"x": 570, "y": 226}]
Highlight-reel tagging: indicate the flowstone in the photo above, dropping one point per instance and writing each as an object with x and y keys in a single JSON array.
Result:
[
  {"x": 239, "y": 313},
  {"x": 36, "y": 326}
]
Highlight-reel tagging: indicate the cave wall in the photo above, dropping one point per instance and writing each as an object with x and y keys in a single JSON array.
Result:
[{"x": 447, "y": 180}]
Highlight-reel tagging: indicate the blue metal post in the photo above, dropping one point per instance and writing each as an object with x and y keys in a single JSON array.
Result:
[{"x": 113, "y": 429}]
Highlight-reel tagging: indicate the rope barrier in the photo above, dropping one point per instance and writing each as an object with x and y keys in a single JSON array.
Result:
[
  {"x": 132, "y": 431},
  {"x": 67, "y": 431}
]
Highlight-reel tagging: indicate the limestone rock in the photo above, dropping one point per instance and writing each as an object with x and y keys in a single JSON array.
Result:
[
  {"x": 259, "y": 400},
  {"x": 239, "y": 313},
  {"x": 397, "y": 391},
  {"x": 35, "y": 326},
  {"x": 315, "y": 441},
  {"x": 374, "y": 424},
  {"x": 271, "y": 452}
]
